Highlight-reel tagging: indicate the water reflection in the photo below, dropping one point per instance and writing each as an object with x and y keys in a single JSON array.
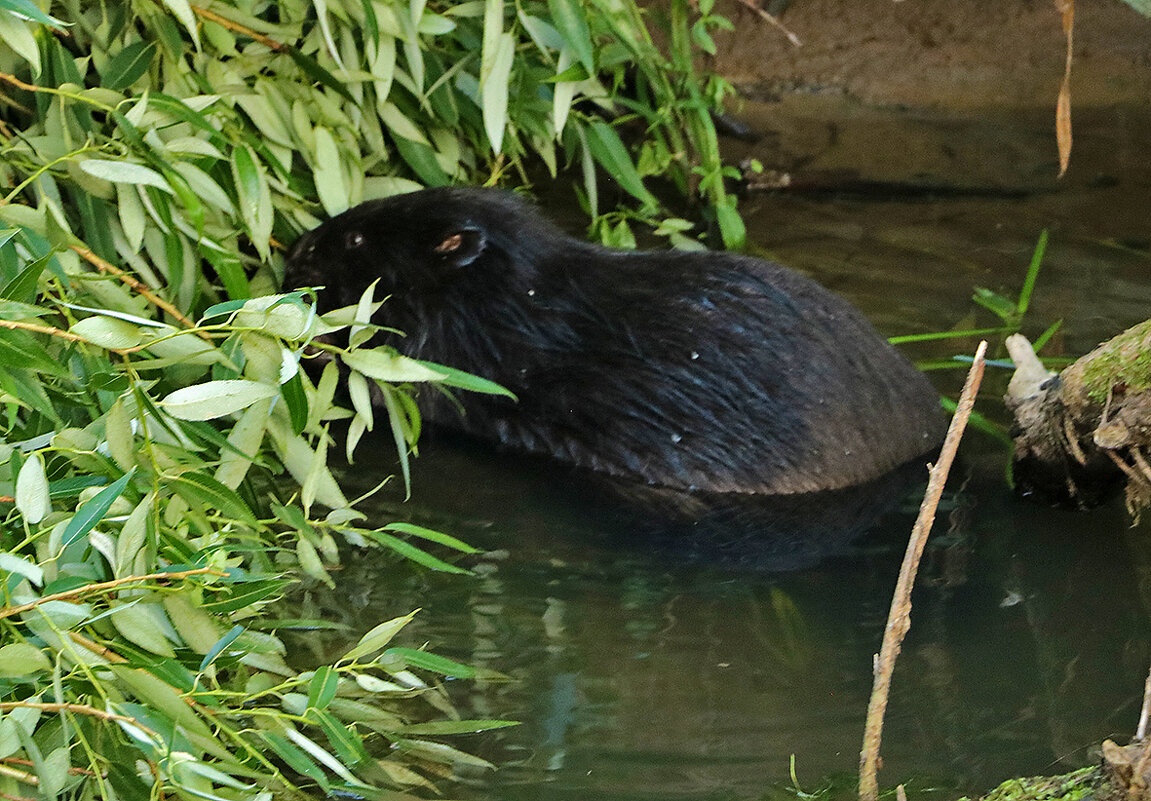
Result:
[{"x": 647, "y": 667}]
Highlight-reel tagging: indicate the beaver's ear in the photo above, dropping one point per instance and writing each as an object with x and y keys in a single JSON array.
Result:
[{"x": 460, "y": 248}]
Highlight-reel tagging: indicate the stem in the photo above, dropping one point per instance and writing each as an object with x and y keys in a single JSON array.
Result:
[
  {"x": 50, "y": 90},
  {"x": 224, "y": 22},
  {"x": 22, "y": 776},
  {"x": 899, "y": 618},
  {"x": 32, "y": 178},
  {"x": 106, "y": 585},
  {"x": 106, "y": 267},
  {"x": 1145, "y": 712},
  {"x": 42, "y": 329}
]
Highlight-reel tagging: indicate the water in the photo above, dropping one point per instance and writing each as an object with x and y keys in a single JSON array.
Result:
[{"x": 641, "y": 672}]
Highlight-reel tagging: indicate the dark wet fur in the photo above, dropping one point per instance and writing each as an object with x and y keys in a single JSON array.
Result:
[{"x": 687, "y": 370}]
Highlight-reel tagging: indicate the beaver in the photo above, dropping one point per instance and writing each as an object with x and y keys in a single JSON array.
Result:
[{"x": 696, "y": 371}]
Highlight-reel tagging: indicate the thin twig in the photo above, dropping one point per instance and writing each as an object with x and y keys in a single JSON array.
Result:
[
  {"x": 102, "y": 651},
  {"x": 22, "y": 776},
  {"x": 52, "y": 90},
  {"x": 772, "y": 20},
  {"x": 899, "y": 619},
  {"x": 80, "y": 709},
  {"x": 42, "y": 329},
  {"x": 1145, "y": 712},
  {"x": 106, "y": 267},
  {"x": 19, "y": 84},
  {"x": 224, "y": 22},
  {"x": 8, "y": 611},
  {"x": 29, "y": 763}
]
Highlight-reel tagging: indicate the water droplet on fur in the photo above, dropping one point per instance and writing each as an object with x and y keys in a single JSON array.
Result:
[
  {"x": 695, "y": 354},
  {"x": 531, "y": 293},
  {"x": 676, "y": 438}
]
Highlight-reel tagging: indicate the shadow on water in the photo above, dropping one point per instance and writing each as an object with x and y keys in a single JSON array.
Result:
[{"x": 691, "y": 660}]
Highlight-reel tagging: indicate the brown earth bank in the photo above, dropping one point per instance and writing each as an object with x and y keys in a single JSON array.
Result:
[{"x": 939, "y": 53}]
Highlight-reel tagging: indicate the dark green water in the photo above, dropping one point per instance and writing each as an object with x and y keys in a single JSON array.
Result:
[{"x": 644, "y": 672}]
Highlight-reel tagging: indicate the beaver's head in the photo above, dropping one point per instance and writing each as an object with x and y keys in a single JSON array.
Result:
[{"x": 423, "y": 244}]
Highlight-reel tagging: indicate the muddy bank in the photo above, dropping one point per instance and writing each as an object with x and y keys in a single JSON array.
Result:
[{"x": 940, "y": 54}]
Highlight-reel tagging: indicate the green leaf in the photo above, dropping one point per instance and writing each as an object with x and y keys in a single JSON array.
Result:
[
  {"x": 161, "y": 695},
  {"x": 21, "y": 566},
  {"x": 215, "y": 399},
  {"x": 138, "y": 625},
  {"x": 329, "y": 173},
  {"x": 17, "y": 34},
  {"x": 409, "y": 551},
  {"x": 384, "y": 364},
  {"x": 32, "y": 11},
  {"x": 377, "y": 638},
  {"x": 308, "y": 558},
  {"x": 203, "y": 490},
  {"x": 28, "y": 388},
  {"x": 255, "y": 197},
  {"x": 317, "y": 73},
  {"x": 399, "y": 124},
  {"x": 22, "y": 288},
  {"x": 432, "y": 536},
  {"x": 220, "y": 646},
  {"x": 571, "y": 21},
  {"x": 183, "y": 12},
  {"x": 457, "y": 726},
  {"x": 296, "y": 759},
  {"x": 21, "y": 659},
  {"x": 247, "y": 594},
  {"x": 108, "y": 332},
  {"x": 422, "y": 160},
  {"x": 1033, "y": 272},
  {"x": 348, "y": 744},
  {"x": 322, "y": 687},
  {"x": 610, "y": 152},
  {"x": 438, "y": 752},
  {"x": 1000, "y": 306},
  {"x": 731, "y": 227},
  {"x": 32, "y": 496},
  {"x": 128, "y": 65},
  {"x": 297, "y": 400},
  {"x": 1142, "y": 6},
  {"x": 92, "y": 512},
  {"x": 495, "y": 73},
  {"x": 433, "y": 662},
  {"x": 458, "y": 378},
  {"x": 13, "y": 310},
  {"x": 125, "y": 172},
  {"x": 21, "y": 349}
]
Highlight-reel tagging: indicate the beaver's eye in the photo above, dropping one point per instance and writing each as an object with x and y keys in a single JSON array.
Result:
[{"x": 353, "y": 240}]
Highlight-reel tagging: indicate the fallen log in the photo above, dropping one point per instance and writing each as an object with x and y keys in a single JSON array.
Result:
[{"x": 1082, "y": 434}]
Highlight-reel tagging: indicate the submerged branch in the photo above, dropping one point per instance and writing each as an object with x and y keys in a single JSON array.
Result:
[{"x": 899, "y": 619}]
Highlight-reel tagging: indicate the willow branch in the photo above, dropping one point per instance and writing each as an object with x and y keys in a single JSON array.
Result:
[
  {"x": 42, "y": 329},
  {"x": 22, "y": 776},
  {"x": 79, "y": 709},
  {"x": 8, "y": 611},
  {"x": 224, "y": 22},
  {"x": 106, "y": 267}
]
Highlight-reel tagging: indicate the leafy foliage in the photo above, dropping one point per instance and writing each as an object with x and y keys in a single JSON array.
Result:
[{"x": 149, "y": 411}]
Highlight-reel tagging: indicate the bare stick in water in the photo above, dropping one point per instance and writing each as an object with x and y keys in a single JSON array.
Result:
[
  {"x": 899, "y": 618},
  {"x": 1145, "y": 712}
]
